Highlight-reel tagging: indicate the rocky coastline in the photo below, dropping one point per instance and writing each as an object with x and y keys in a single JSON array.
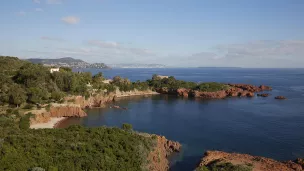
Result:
[
  {"x": 213, "y": 159},
  {"x": 234, "y": 90},
  {"x": 74, "y": 107}
]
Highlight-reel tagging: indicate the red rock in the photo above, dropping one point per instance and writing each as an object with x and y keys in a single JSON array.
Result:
[
  {"x": 67, "y": 111},
  {"x": 280, "y": 97},
  {"x": 263, "y": 95},
  {"x": 209, "y": 95},
  {"x": 183, "y": 92},
  {"x": 257, "y": 163},
  {"x": 158, "y": 157},
  {"x": 264, "y": 88}
]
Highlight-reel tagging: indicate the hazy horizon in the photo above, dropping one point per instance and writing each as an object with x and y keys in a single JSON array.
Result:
[{"x": 194, "y": 33}]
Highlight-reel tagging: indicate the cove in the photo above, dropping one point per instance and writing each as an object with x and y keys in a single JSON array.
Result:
[{"x": 247, "y": 125}]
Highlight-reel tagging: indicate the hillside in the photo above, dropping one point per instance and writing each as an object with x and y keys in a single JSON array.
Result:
[{"x": 67, "y": 62}]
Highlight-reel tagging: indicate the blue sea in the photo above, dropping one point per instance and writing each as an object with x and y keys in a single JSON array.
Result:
[{"x": 257, "y": 126}]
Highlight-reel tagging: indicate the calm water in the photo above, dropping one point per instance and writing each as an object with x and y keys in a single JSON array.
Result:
[{"x": 258, "y": 126}]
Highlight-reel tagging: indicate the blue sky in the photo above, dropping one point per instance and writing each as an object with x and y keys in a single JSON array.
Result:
[{"x": 243, "y": 33}]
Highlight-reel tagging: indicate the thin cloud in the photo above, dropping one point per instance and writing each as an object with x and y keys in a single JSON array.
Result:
[
  {"x": 37, "y": 1},
  {"x": 263, "y": 53},
  {"x": 39, "y": 10},
  {"x": 119, "y": 49},
  {"x": 21, "y": 13},
  {"x": 104, "y": 44},
  {"x": 70, "y": 20},
  {"x": 51, "y": 39},
  {"x": 54, "y": 2}
]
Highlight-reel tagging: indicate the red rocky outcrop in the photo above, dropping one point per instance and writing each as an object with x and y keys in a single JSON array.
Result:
[
  {"x": 209, "y": 95},
  {"x": 183, "y": 92},
  {"x": 159, "y": 156},
  {"x": 257, "y": 163},
  {"x": 67, "y": 111}
]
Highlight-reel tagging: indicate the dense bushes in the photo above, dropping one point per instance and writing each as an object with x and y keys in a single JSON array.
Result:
[
  {"x": 22, "y": 82},
  {"x": 74, "y": 148},
  {"x": 170, "y": 83},
  {"x": 212, "y": 86},
  {"x": 24, "y": 122}
]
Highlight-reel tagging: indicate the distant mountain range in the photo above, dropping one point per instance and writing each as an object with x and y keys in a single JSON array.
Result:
[
  {"x": 67, "y": 62},
  {"x": 137, "y": 66}
]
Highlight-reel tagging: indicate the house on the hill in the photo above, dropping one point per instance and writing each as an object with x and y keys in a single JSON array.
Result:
[{"x": 54, "y": 70}]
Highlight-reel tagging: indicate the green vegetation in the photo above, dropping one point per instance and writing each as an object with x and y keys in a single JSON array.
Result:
[
  {"x": 74, "y": 148},
  {"x": 212, "y": 86},
  {"x": 218, "y": 166},
  {"x": 127, "y": 127},
  {"x": 22, "y": 83},
  {"x": 170, "y": 83}
]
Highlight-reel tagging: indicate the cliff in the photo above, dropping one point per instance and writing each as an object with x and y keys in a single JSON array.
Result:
[
  {"x": 43, "y": 116},
  {"x": 158, "y": 158},
  {"x": 101, "y": 99},
  {"x": 213, "y": 159}
]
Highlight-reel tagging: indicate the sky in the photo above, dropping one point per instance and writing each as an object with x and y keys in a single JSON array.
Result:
[{"x": 177, "y": 33}]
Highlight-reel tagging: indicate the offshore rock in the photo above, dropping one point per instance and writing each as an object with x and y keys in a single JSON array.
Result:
[{"x": 280, "y": 97}]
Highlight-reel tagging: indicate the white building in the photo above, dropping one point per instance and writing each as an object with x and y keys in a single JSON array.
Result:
[{"x": 54, "y": 70}]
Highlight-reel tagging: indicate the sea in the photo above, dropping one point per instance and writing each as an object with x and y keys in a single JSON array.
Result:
[{"x": 261, "y": 126}]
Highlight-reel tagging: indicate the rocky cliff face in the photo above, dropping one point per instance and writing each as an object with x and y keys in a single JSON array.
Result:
[
  {"x": 43, "y": 116},
  {"x": 159, "y": 156},
  {"x": 67, "y": 111},
  {"x": 101, "y": 99},
  {"x": 254, "y": 162}
]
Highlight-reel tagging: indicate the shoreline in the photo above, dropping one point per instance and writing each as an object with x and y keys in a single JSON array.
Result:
[
  {"x": 139, "y": 94},
  {"x": 53, "y": 123}
]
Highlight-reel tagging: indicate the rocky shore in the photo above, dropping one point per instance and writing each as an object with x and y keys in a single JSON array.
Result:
[
  {"x": 74, "y": 105},
  {"x": 215, "y": 159},
  {"x": 158, "y": 158}
]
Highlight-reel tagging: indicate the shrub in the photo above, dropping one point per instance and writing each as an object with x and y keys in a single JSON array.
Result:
[
  {"x": 9, "y": 111},
  {"x": 24, "y": 122},
  {"x": 71, "y": 100},
  {"x": 57, "y": 95},
  {"x": 216, "y": 166},
  {"x": 28, "y": 106},
  {"x": 127, "y": 127},
  {"x": 48, "y": 108},
  {"x": 212, "y": 86}
]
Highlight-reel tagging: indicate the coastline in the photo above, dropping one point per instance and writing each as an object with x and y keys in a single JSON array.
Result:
[
  {"x": 54, "y": 122},
  {"x": 50, "y": 124},
  {"x": 137, "y": 94}
]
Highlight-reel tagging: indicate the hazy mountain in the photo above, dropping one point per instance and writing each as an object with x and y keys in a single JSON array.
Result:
[
  {"x": 137, "y": 65},
  {"x": 67, "y": 62}
]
